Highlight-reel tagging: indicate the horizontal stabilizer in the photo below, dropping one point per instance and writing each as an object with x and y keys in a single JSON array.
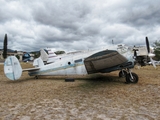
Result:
[{"x": 31, "y": 69}]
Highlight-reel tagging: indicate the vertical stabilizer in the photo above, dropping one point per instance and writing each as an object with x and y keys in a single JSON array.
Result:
[
  {"x": 12, "y": 68},
  {"x": 44, "y": 55},
  {"x": 38, "y": 62}
]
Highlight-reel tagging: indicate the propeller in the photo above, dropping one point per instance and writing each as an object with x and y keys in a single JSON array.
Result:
[{"x": 150, "y": 55}]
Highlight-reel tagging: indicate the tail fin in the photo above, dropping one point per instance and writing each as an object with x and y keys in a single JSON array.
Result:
[
  {"x": 38, "y": 62},
  {"x": 44, "y": 55},
  {"x": 12, "y": 68},
  {"x": 48, "y": 58}
]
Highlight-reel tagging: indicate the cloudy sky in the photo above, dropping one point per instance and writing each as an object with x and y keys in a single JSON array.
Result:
[{"x": 77, "y": 24}]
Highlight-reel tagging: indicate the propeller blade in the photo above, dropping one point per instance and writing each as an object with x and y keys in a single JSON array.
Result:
[
  {"x": 153, "y": 62},
  {"x": 147, "y": 45}
]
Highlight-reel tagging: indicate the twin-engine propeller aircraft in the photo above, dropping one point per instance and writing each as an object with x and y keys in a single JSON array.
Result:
[{"x": 77, "y": 63}]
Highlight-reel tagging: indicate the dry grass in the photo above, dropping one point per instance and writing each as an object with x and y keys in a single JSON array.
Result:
[{"x": 100, "y": 96}]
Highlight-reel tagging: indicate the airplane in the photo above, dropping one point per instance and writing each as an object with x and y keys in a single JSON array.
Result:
[
  {"x": 77, "y": 63},
  {"x": 26, "y": 57}
]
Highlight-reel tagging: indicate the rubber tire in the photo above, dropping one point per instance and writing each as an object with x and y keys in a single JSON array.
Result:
[
  {"x": 121, "y": 74},
  {"x": 36, "y": 77},
  {"x": 135, "y": 78},
  {"x": 69, "y": 80}
]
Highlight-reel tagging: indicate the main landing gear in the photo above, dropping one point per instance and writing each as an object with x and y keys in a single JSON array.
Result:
[
  {"x": 36, "y": 77},
  {"x": 130, "y": 76}
]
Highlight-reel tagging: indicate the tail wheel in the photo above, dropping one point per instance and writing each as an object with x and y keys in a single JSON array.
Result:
[
  {"x": 122, "y": 73},
  {"x": 133, "y": 79}
]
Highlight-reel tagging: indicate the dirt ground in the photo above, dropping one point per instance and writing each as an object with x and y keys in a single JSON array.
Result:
[{"x": 92, "y": 97}]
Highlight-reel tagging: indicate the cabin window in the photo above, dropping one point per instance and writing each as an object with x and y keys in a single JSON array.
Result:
[
  {"x": 26, "y": 55},
  {"x": 77, "y": 61}
]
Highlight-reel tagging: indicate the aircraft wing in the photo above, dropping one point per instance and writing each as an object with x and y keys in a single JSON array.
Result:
[{"x": 30, "y": 69}]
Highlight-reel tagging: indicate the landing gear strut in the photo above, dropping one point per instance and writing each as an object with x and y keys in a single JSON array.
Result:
[
  {"x": 122, "y": 73},
  {"x": 131, "y": 77}
]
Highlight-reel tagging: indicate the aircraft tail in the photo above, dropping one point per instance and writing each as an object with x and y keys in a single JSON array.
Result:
[
  {"x": 47, "y": 57},
  {"x": 51, "y": 55},
  {"x": 38, "y": 62},
  {"x": 12, "y": 68},
  {"x": 44, "y": 55}
]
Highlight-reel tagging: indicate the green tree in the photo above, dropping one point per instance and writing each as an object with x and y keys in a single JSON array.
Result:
[
  {"x": 36, "y": 54},
  {"x": 157, "y": 49},
  {"x": 17, "y": 56},
  {"x": 5, "y": 47}
]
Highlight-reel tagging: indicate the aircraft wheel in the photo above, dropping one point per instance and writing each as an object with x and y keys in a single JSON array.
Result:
[
  {"x": 130, "y": 80},
  {"x": 122, "y": 74},
  {"x": 36, "y": 77},
  {"x": 69, "y": 80}
]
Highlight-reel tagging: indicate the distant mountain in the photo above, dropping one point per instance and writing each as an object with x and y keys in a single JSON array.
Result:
[
  {"x": 34, "y": 52},
  {"x": 8, "y": 50}
]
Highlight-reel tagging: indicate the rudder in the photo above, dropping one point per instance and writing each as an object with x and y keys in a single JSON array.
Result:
[{"x": 12, "y": 68}]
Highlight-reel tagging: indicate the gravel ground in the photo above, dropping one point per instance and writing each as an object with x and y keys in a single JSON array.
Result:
[{"x": 93, "y": 97}]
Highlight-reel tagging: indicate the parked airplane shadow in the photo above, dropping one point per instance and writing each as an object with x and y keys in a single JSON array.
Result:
[{"x": 91, "y": 79}]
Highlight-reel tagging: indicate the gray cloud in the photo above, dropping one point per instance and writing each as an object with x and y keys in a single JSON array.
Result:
[{"x": 76, "y": 25}]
